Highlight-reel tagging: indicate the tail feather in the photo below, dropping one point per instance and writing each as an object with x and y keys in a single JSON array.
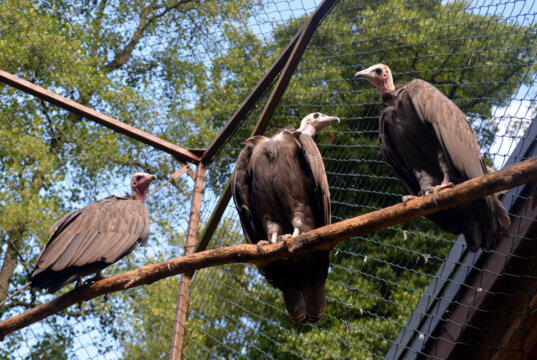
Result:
[
  {"x": 502, "y": 218},
  {"x": 484, "y": 222},
  {"x": 316, "y": 300},
  {"x": 302, "y": 282}
]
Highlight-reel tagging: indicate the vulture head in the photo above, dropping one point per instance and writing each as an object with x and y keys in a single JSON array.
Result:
[
  {"x": 140, "y": 183},
  {"x": 314, "y": 123},
  {"x": 379, "y": 75}
]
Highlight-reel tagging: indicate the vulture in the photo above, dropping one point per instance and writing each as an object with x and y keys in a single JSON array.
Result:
[
  {"x": 280, "y": 189},
  {"x": 86, "y": 241},
  {"x": 430, "y": 144}
]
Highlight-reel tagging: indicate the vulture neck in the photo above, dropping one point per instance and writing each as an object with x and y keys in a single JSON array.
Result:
[
  {"x": 138, "y": 195},
  {"x": 389, "y": 97},
  {"x": 386, "y": 86},
  {"x": 309, "y": 130}
]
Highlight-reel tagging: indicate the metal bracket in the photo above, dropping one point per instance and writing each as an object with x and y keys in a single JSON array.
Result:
[{"x": 184, "y": 169}]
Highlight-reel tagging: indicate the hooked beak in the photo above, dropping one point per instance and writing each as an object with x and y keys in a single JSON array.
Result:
[
  {"x": 364, "y": 74},
  {"x": 329, "y": 119}
]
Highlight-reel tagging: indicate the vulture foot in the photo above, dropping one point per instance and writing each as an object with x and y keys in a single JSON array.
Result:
[
  {"x": 285, "y": 238},
  {"x": 408, "y": 197},
  {"x": 260, "y": 245},
  {"x": 98, "y": 276},
  {"x": 435, "y": 189},
  {"x": 106, "y": 297}
]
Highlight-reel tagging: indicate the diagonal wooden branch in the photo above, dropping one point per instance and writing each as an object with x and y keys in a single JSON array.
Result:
[{"x": 323, "y": 238}]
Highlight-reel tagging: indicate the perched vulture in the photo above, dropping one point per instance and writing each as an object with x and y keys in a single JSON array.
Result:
[
  {"x": 86, "y": 241},
  {"x": 279, "y": 187},
  {"x": 430, "y": 144}
]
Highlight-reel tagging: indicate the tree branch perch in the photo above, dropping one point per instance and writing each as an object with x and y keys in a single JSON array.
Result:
[{"x": 322, "y": 238}]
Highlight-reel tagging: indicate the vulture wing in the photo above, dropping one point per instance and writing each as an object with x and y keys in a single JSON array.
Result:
[
  {"x": 394, "y": 159},
  {"x": 315, "y": 162},
  {"x": 241, "y": 188},
  {"x": 90, "y": 239},
  {"x": 451, "y": 126}
]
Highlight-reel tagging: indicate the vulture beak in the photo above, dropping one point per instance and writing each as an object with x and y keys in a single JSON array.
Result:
[
  {"x": 325, "y": 120},
  {"x": 315, "y": 122},
  {"x": 363, "y": 74}
]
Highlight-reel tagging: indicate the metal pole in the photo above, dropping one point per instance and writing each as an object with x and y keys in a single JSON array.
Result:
[
  {"x": 90, "y": 114},
  {"x": 183, "y": 297}
]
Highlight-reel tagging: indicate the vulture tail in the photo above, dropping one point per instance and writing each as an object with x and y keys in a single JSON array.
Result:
[
  {"x": 504, "y": 222},
  {"x": 495, "y": 222},
  {"x": 301, "y": 280},
  {"x": 491, "y": 223}
]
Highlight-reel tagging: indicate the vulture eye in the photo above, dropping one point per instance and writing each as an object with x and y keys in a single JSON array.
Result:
[
  {"x": 378, "y": 71},
  {"x": 138, "y": 178},
  {"x": 316, "y": 115}
]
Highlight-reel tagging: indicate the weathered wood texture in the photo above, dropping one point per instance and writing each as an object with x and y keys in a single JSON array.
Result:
[
  {"x": 322, "y": 238},
  {"x": 90, "y": 114}
]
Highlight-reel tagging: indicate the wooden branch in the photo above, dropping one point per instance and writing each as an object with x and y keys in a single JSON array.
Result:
[{"x": 322, "y": 238}]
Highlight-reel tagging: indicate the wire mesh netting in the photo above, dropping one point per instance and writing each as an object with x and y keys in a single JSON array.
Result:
[{"x": 179, "y": 69}]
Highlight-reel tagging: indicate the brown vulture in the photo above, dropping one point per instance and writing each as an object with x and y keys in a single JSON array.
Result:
[
  {"x": 430, "y": 144},
  {"x": 86, "y": 241},
  {"x": 280, "y": 188}
]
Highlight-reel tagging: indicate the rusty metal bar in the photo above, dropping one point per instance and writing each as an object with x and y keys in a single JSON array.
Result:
[
  {"x": 178, "y": 152},
  {"x": 304, "y": 36},
  {"x": 214, "y": 220},
  {"x": 183, "y": 297},
  {"x": 290, "y": 67},
  {"x": 250, "y": 101}
]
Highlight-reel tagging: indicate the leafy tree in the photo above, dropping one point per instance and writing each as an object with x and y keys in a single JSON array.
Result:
[{"x": 53, "y": 161}]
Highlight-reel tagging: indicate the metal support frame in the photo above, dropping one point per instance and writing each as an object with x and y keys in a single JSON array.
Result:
[
  {"x": 183, "y": 297},
  {"x": 178, "y": 152}
]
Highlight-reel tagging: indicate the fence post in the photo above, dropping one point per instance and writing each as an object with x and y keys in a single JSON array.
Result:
[{"x": 183, "y": 297}]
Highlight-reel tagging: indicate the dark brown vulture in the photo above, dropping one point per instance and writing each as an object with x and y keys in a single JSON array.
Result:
[
  {"x": 279, "y": 187},
  {"x": 430, "y": 144},
  {"x": 86, "y": 241}
]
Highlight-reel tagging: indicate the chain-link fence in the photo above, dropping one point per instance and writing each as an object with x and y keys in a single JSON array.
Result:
[{"x": 178, "y": 70}]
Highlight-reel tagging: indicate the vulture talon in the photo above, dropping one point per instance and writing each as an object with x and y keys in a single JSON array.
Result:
[
  {"x": 435, "y": 189},
  {"x": 285, "y": 238},
  {"x": 408, "y": 197},
  {"x": 97, "y": 277},
  {"x": 260, "y": 245}
]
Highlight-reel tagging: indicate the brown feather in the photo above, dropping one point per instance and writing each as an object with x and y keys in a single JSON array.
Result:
[
  {"x": 271, "y": 178},
  {"x": 418, "y": 122},
  {"x": 87, "y": 240}
]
